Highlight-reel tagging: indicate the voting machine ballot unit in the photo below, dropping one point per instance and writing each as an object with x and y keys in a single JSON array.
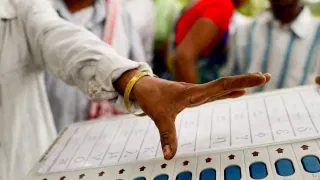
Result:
[{"x": 270, "y": 136}]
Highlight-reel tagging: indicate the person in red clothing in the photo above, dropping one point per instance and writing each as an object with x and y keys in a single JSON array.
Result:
[{"x": 198, "y": 43}]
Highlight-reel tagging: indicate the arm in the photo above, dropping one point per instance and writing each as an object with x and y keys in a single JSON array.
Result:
[
  {"x": 79, "y": 58},
  {"x": 202, "y": 33},
  {"x": 73, "y": 54}
]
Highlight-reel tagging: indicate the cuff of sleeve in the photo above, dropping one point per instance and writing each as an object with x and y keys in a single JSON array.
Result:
[{"x": 100, "y": 87}]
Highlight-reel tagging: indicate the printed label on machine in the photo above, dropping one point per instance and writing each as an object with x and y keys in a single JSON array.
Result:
[{"x": 282, "y": 116}]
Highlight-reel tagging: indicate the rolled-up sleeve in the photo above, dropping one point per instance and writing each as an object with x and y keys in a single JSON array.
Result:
[{"x": 73, "y": 54}]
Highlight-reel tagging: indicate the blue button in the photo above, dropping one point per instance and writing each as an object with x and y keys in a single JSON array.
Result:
[
  {"x": 284, "y": 167},
  {"x": 184, "y": 176},
  {"x": 162, "y": 177},
  {"x": 140, "y": 178},
  {"x": 232, "y": 173},
  {"x": 208, "y": 174},
  {"x": 258, "y": 170},
  {"x": 311, "y": 164}
]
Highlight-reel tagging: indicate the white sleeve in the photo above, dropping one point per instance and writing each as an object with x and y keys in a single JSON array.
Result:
[{"x": 71, "y": 53}]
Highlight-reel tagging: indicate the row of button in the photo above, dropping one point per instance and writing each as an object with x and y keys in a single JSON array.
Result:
[{"x": 258, "y": 170}]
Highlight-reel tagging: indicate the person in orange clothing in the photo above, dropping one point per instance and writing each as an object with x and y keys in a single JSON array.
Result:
[{"x": 198, "y": 44}]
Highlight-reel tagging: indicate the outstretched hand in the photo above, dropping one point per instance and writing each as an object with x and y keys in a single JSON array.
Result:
[{"x": 163, "y": 100}]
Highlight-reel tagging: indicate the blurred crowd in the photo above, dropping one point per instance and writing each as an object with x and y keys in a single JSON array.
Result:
[
  {"x": 191, "y": 41},
  {"x": 195, "y": 41}
]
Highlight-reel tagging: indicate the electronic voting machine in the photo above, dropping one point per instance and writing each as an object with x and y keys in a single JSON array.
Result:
[{"x": 270, "y": 136}]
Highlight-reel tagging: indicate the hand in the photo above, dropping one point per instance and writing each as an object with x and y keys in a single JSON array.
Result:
[
  {"x": 162, "y": 100},
  {"x": 318, "y": 80}
]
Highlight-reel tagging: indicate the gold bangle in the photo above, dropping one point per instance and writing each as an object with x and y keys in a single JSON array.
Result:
[
  {"x": 128, "y": 89},
  {"x": 154, "y": 75}
]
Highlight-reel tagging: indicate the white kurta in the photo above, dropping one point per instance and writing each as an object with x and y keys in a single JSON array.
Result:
[
  {"x": 69, "y": 104},
  {"x": 34, "y": 38},
  {"x": 143, "y": 17},
  {"x": 291, "y": 54}
]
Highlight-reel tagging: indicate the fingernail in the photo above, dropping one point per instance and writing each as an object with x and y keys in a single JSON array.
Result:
[{"x": 166, "y": 150}]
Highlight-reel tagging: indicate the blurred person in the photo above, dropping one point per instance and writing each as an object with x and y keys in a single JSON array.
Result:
[
  {"x": 283, "y": 40},
  {"x": 33, "y": 38},
  {"x": 238, "y": 19},
  {"x": 69, "y": 104},
  {"x": 142, "y": 13},
  {"x": 166, "y": 13},
  {"x": 198, "y": 45}
]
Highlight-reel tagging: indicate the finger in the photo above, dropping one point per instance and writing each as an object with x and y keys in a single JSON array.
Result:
[
  {"x": 226, "y": 95},
  {"x": 208, "y": 99},
  {"x": 198, "y": 94},
  {"x": 318, "y": 80},
  {"x": 268, "y": 77},
  {"x": 168, "y": 136},
  {"x": 234, "y": 94},
  {"x": 235, "y": 82}
]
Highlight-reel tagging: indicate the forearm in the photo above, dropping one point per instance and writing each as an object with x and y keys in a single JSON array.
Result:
[
  {"x": 199, "y": 37},
  {"x": 185, "y": 69},
  {"x": 77, "y": 56},
  {"x": 71, "y": 53}
]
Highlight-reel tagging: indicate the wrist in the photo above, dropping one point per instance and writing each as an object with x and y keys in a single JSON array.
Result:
[
  {"x": 142, "y": 87},
  {"x": 121, "y": 83}
]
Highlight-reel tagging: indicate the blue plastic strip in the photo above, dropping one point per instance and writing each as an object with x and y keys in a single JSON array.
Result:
[
  {"x": 309, "y": 58},
  {"x": 267, "y": 52},
  {"x": 285, "y": 66},
  {"x": 249, "y": 48}
]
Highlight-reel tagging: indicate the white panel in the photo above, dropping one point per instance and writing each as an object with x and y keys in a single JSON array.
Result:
[{"x": 284, "y": 152}]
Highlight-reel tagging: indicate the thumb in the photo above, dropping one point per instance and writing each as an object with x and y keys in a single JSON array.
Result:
[{"x": 168, "y": 137}]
